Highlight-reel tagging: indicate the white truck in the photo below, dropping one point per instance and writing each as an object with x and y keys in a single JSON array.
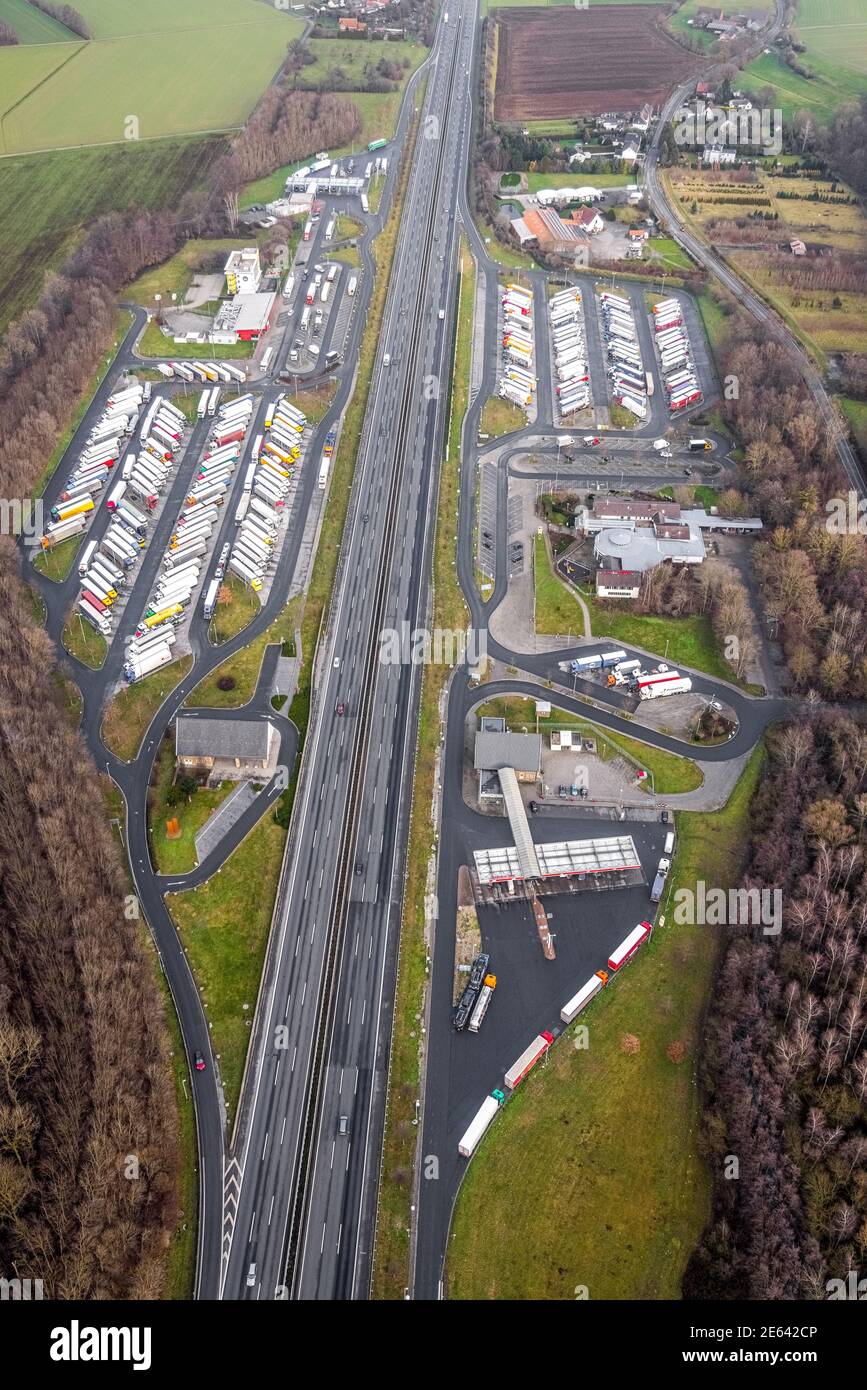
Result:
[{"x": 479, "y": 1123}]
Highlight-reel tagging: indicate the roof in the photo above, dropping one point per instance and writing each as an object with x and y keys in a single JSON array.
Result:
[
  {"x": 222, "y": 738},
  {"x": 618, "y": 579},
  {"x": 520, "y": 751},
  {"x": 643, "y": 550},
  {"x": 665, "y": 511},
  {"x": 246, "y": 312},
  {"x": 586, "y": 217}
]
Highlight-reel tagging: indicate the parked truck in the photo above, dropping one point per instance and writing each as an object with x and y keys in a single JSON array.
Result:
[
  {"x": 677, "y": 685},
  {"x": 629, "y": 946},
  {"x": 480, "y": 1122},
  {"x": 528, "y": 1059},
  {"x": 484, "y": 999},
  {"x": 580, "y": 1000}
]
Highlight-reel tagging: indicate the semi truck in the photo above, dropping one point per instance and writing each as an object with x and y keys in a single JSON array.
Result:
[
  {"x": 580, "y": 1000},
  {"x": 480, "y": 1122},
  {"x": 629, "y": 945},
  {"x": 209, "y": 603},
  {"x": 528, "y": 1059},
  {"x": 101, "y": 623},
  {"x": 600, "y": 661},
  {"x": 676, "y": 685},
  {"x": 151, "y": 661},
  {"x": 484, "y": 999},
  {"x": 66, "y": 511}
]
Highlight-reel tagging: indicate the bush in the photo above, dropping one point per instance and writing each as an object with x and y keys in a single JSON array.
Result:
[{"x": 226, "y": 683}]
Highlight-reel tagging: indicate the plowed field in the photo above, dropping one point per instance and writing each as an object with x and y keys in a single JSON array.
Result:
[{"x": 570, "y": 62}]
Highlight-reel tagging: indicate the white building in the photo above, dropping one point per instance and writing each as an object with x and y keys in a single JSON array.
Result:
[{"x": 243, "y": 271}]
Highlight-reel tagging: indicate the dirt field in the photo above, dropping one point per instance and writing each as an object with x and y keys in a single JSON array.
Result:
[{"x": 568, "y": 62}]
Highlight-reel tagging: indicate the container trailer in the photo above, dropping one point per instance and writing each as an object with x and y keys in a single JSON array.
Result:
[
  {"x": 97, "y": 619},
  {"x": 479, "y": 1123},
  {"x": 580, "y": 1000},
  {"x": 528, "y": 1059},
  {"x": 681, "y": 685},
  {"x": 629, "y": 945}
]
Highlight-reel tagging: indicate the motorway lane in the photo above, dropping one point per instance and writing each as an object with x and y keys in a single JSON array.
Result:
[{"x": 279, "y": 1077}]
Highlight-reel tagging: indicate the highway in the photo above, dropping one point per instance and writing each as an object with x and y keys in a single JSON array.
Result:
[{"x": 305, "y": 1209}]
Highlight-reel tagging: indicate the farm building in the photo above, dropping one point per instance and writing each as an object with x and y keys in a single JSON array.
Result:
[
  {"x": 581, "y": 193},
  {"x": 243, "y": 271},
  {"x": 589, "y": 220},
  {"x": 552, "y": 233}
]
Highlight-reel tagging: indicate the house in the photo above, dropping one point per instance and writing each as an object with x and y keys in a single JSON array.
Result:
[
  {"x": 617, "y": 584},
  {"x": 638, "y": 235},
  {"x": 227, "y": 749},
  {"x": 351, "y": 26},
  {"x": 797, "y": 248},
  {"x": 243, "y": 271},
  {"x": 717, "y": 154},
  {"x": 496, "y": 748},
  {"x": 579, "y": 157},
  {"x": 629, "y": 154},
  {"x": 589, "y": 220}
]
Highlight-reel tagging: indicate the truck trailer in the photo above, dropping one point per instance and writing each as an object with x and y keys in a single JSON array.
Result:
[
  {"x": 479, "y": 1123},
  {"x": 528, "y": 1059}
]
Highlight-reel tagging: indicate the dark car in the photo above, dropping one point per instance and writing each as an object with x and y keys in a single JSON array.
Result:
[
  {"x": 665, "y": 818},
  {"x": 200, "y": 1062},
  {"x": 359, "y": 868},
  {"x": 341, "y": 707}
]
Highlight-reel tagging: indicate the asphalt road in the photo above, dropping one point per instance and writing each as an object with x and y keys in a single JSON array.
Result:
[{"x": 300, "y": 1184}]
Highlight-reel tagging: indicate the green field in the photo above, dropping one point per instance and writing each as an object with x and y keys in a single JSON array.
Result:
[
  {"x": 23, "y": 68},
  {"x": 602, "y": 1143},
  {"x": 171, "y": 69},
  {"x": 577, "y": 180},
  {"x": 47, "y": 200},
  {"x": 30, "y": 24},
  {"x": 352, "y": 57},
  {"x": 820, "y": 95},
  {"x": 834, "y": 32}
]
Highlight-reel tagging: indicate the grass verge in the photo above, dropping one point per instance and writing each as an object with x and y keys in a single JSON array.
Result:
[
  {"x": 178, "y": 856},
  {"x": 131, "y": 710},
  {"x": 56, "y": 563},
  {"x": 224, "y": 927},
  {"x": 83, "y": 641},
  {"x": 237, "y": 606},
  {"x": 606, "y": 1130}
]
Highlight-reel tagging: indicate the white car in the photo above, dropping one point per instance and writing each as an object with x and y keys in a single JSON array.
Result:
[
  {"x": 251, "y": 1277},
  {"x": 386, "y": 359}
]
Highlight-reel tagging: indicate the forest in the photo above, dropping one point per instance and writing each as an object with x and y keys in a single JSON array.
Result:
[
  {"x": 784, "y": 1067},
  {"x": 811, "y": 569}
]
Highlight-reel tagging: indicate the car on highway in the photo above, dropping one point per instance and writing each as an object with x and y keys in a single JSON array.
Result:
[
  {"x": 343, "y": 1126},
  {"x": 359, "y": 868},
  {"x": 336, "y": 662},
  {"x": 442, "y": 313},
  {"x": 341, "y": 707},
  {"x": 200, "y": 1062},
  {"x": 386, "y": 359},
  {"x": 251, "y": 1277}
]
